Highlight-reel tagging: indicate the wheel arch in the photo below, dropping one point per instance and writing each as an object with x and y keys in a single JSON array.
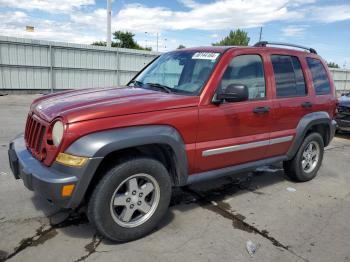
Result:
[
  {"x": 160, "y": 142},
  {"x": 319, "y": 122}
]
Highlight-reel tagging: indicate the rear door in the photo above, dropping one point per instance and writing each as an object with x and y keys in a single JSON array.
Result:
[
  {"x": 232, "y": 133},
  {"x": 291, "y": 101},
  {"x": 323, "y": 88}
]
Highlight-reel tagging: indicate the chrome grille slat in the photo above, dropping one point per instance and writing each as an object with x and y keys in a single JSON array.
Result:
[
  {"x": 31, "y": 125},
  {"x": 34, "y": 135},
  {"x": 41, "y": 136}
]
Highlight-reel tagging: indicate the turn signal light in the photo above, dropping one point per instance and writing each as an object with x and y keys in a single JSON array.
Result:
[
  {"x": 70, "y": 160},
  {"x": 67, "y": 190}
]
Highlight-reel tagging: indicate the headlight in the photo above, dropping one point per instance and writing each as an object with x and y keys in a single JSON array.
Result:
[{"x": 57, "y": 133}]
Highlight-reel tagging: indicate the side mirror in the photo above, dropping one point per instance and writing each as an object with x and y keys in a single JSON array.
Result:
[{"x": 233, "y": 93}]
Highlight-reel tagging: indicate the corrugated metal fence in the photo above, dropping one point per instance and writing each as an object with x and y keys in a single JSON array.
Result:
[
  {"x": 27, "y": 64},
  {"x": 33, "y": 64},
  {"x": 341, "y": 79}
]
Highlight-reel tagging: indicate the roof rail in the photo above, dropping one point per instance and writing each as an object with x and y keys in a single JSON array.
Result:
[{"x": 265, "y": 43}]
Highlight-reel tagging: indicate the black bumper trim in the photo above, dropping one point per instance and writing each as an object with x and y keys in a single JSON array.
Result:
[
  {"x": 343, "y": 124},
  {"x": 48, "y": 181}
]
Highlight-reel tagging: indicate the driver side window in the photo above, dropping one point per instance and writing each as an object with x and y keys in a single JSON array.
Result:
[{"x": 246, "y": 70}]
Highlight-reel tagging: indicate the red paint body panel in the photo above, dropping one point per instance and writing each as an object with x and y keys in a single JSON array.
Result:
[{"x": 202, "y": 124}]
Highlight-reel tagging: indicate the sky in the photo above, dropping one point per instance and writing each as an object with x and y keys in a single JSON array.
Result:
[{"x": 321, "y": 24}]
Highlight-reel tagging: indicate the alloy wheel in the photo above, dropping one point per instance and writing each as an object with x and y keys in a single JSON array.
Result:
[{"x": 135, "y": 200}]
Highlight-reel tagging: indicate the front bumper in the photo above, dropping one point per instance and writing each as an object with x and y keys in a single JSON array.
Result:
[
  {"x": 48, "y": 181},
  {"x": 343, "y": 122},
  {"x": 333, "y": 128}
]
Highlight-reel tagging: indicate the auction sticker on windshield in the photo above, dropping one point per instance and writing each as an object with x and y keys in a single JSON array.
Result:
[{"x": 205, "y": 55}]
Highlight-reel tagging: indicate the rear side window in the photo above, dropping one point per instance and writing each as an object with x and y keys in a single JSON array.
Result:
[
  {"x": 319, "y": 76},
  {"x": 289, "y": 76}
]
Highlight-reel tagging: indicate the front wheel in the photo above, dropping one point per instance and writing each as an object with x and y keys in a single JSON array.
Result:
[
  {"x": 307, "y": 161},
  {"x": 130, "y": 200}
]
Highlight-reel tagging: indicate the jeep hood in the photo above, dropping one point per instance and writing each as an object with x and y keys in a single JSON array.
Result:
[
  {"x": 87, "y": 104},
  {"x": 344, "y": 101}
]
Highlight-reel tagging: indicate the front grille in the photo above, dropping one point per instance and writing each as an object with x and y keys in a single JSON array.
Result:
[{"x": 34, "y": 134}]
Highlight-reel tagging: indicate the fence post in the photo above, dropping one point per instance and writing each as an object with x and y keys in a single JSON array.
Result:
[
  {"x": 51, "y": 69},
  {"x": 118, "y": 67}
]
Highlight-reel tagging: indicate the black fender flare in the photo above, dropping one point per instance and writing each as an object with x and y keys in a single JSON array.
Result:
[
  {"x": 102, "y": 143},
  {"x": 305, "y": 124}
]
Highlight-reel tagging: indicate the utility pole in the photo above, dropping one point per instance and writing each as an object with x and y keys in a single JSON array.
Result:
[
  {"x": 146, "y": 33},
  {"x": 109, "y": 14},
  {"x": 260, "y": 34},
  {"x": 165, "y": 43},
  {"x": 157, "y": 41}
]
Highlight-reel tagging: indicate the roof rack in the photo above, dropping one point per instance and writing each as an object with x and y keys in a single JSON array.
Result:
[{"x": 265, "y": 43}]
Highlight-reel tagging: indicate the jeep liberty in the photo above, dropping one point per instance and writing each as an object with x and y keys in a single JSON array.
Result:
[{"x": 190, "y": 115}]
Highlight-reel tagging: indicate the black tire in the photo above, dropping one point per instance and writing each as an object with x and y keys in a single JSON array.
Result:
[
  {"x": 99, "y": 206},
  {"x": 293, "y": 168}
]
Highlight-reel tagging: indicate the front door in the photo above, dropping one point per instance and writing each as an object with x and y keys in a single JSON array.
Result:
[{"x": 233, "y": 133}]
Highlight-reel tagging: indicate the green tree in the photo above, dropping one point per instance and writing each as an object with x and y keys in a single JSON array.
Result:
[
  {"x": 237, "y": 37},
  {"x": 333, "y": 65},
  {"x": 99, "y": 43},
  {"x": 124, "y": 40},
  {"x": 181, "y": 47}
]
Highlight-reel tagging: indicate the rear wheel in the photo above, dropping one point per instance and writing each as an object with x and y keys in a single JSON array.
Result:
[
  {"x": 130, "y": 200},
  {"x": 307, "y": 161}
]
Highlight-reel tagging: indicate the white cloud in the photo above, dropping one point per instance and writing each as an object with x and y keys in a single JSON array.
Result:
[
  {"x": 14, "y": 23},
  {"x": 294, "y": 30},
  {"x": 85, "y": 25},
  {"x": 189, "y": 3},
  {"x": 95, "y": 19},
  {"x": 50, "y": 6},
  {"x": 12, "y": 17},
  {"x": 221, "y": 14},
  {"x": 330, "y": 14}
]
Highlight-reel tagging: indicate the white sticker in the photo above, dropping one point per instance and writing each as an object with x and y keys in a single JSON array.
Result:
[{"x": 205, "y": 55}]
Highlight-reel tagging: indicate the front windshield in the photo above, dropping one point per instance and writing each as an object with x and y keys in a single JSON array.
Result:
[{"x": 183, "y": 72}]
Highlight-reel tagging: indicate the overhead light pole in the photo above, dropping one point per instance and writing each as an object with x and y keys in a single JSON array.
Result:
[
  {"x": 109, "y": 15},
  {"x": 260, "y": 34}
]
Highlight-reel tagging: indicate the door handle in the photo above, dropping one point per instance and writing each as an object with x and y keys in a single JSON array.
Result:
[
  {"x": 261, "y": 109},
  {"x": 306, "y": 104}
]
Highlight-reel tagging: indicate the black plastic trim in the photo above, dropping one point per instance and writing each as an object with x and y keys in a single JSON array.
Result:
[
  {"x": 232, "y": 170},
  {"x": 305, "y": 124},
  {"x": 48, "y": 181},
  {"x": 100, "y": 144}
]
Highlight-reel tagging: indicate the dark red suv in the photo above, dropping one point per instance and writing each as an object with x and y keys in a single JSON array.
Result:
[{"x": 190, "y": 115}]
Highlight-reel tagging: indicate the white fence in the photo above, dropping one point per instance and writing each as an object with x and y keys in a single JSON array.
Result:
[
  {"x": 27, "y": 64},
  {"x": 38, "y": 65},
  {"x": 341, "y": 79}
]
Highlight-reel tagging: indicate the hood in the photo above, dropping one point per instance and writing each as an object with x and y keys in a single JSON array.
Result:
[
  {"x": 87, "y": 104},
  {"x": 344, "y": 101}
]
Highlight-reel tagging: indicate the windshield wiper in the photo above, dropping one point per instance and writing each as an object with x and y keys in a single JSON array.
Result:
[
  {"x": 137, "y": 83},
  {"x": 163, "y": 87}
]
